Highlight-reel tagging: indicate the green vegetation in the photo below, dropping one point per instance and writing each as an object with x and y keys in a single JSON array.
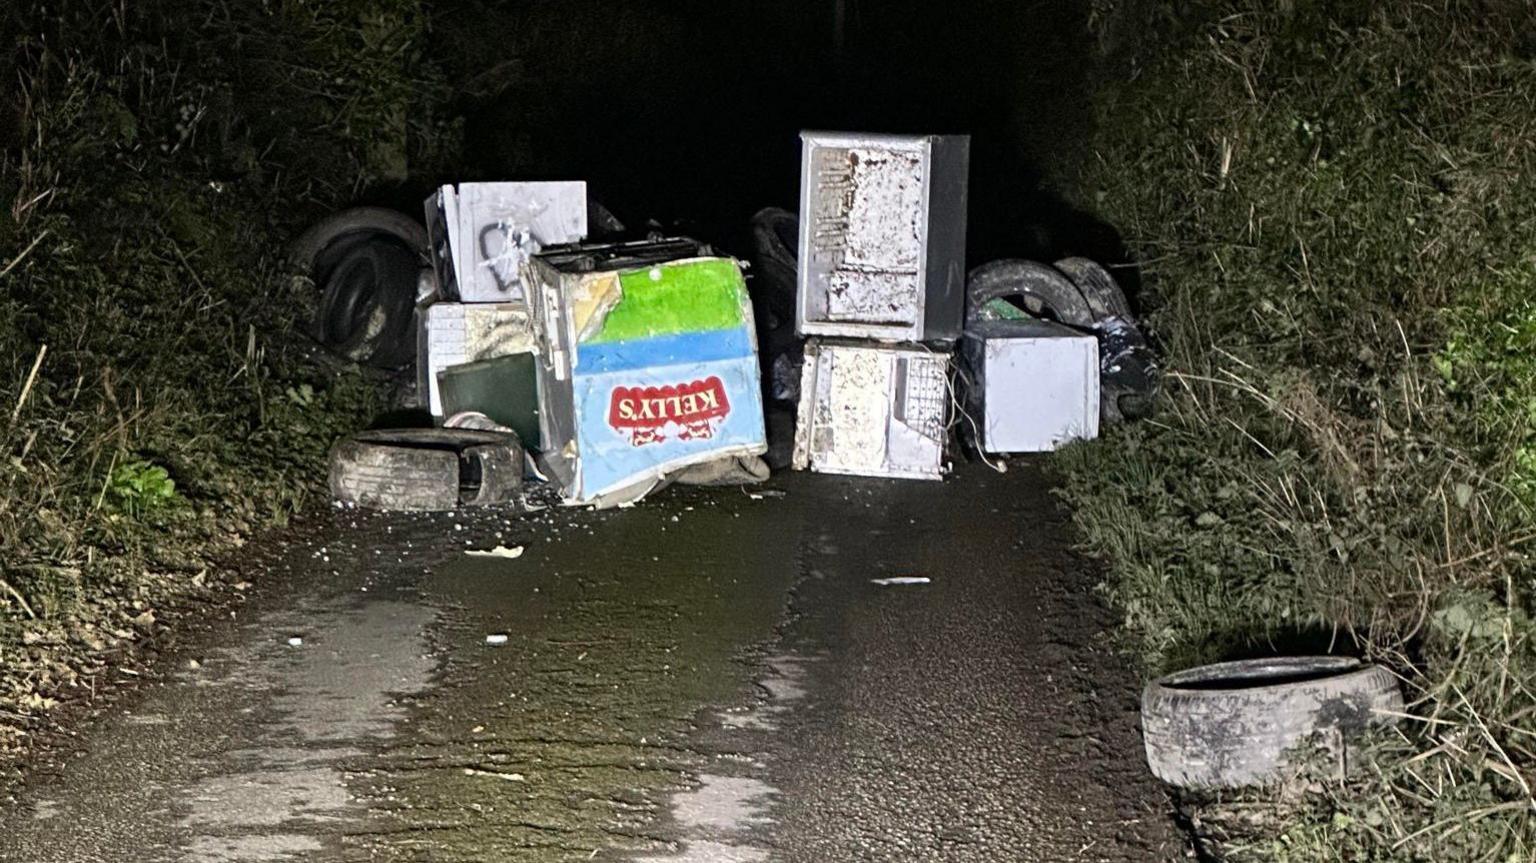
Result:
[
  {"x": 154, "y": 157},
  {"x": 1336, "y": 203},
  {"x": 140, "y": 489}
]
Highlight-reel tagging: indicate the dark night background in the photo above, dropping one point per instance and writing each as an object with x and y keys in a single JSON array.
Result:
[{"x": 691, "y": 110}]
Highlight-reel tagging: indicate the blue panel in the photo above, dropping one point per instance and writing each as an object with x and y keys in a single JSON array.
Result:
[{"x": 675, "y": 349}]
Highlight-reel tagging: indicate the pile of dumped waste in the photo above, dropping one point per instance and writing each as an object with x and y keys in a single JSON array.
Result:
[
  {"x": 551, "y": 348},
  {"x": 553, "y": 353}
]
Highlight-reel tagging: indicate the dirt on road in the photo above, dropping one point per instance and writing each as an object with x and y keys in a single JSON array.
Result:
[{"x": 709, "y": 676}]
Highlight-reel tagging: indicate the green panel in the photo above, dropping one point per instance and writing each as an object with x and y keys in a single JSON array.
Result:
[
  {"x": 698, "y": 296},
  {"x": 503, "y": 389},
  {"x": 1002, "y": 310}
]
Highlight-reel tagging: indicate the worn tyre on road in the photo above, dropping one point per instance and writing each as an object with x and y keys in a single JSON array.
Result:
[
  {"x": 1229, "y": 725},
  {"x": 426, "y": 469}
]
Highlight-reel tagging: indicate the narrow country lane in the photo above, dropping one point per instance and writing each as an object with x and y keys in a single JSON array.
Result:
[{"x": 708, "y": 676}]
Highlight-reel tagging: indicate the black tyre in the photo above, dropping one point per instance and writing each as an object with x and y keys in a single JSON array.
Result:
[
  {"x": 367, "y": 304},
  {"x": 426, "y": 469},
  {"x": 1231, "y": 724},
  {"x": 1098, "y": 287},
  {"x": 775, "y": 247},
  {"x": 1044, "y": 291},
  {"x": 367, "y": 263},
  {"x": 376, "y": 221}
]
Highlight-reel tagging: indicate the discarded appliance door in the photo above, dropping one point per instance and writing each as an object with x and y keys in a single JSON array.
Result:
[
  {"x": 646, "y": 366},
  {"x": 452, "y": 334},
  {"x": 504, "y": 389},
  {"x": 872, "y": 410},
  {"x": 481, "y": 234},
  {"x": 882, "y": 236},
  {"x": 1034, "y": 384}
]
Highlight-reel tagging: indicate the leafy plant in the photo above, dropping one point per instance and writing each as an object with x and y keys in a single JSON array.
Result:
[{"x": 140, "y": 488}]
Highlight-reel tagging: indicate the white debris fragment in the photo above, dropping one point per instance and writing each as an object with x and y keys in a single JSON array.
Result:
[
  {"x": 509, "y": 777},
  {"x": 295, "y": 641},
  {"x": 900, "y": 579},
  {"x": 496, "y": 638},
  {"x": 512, "y": 553}
]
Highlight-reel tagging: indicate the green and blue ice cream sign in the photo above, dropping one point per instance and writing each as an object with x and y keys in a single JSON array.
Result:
[{"x": 657, "y": 367}]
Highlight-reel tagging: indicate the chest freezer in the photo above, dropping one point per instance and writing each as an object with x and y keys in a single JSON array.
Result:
[{"x": 646, "y": 366}]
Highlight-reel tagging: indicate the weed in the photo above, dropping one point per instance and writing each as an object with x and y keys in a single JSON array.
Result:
[
  {"x": 1334, "y": 201},
  {"x": 139, "y": 489},
  {"x": 166, "y": 151}
]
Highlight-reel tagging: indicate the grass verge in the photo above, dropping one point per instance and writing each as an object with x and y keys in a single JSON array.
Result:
[
  {"x": 156, "y": 402},
  {"x": 1336, "y": 202}
]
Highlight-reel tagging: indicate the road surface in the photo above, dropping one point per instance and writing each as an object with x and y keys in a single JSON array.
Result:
[{"x": 708, "y": 676}]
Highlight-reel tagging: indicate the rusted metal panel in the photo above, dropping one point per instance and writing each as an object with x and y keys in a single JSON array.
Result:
[
  {"x": 882, "y": 236},
  {"x": 872, "y": 410}
]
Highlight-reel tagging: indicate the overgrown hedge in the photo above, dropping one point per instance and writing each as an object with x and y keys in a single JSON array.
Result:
[
  {"x": 1336, "y": 204},
  {"x": 156, "y": 156}
]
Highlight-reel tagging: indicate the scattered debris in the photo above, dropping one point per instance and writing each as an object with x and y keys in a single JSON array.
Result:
[
  {"x": 295, "y": 641},
  {"x": 898, "y": 580},
  {"x": 500, "y": 551},
  {"x": 473, "y": 420},
  {"x": 494, "y": 774},
  {"x": 624, "y": 366},
  {"x": 496, "y": 638}
]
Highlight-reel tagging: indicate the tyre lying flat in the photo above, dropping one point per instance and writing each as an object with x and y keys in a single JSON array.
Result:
[
  {"x": 1231, "y": 724},
  {"x": 426, "y": 469}
]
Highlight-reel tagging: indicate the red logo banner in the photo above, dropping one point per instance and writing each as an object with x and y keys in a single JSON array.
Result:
[{"x": 648, "y": 414}]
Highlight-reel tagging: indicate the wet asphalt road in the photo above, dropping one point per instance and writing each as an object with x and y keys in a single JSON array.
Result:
[{"x": 708, "y": 676}]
